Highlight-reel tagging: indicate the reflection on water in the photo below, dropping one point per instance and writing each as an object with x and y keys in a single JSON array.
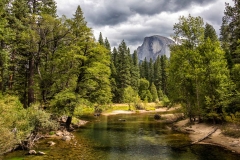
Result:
[{"x": 138, "y": 137}]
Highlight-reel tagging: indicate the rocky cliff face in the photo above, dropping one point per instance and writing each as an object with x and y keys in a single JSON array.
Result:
[{"x": 154, "y": 46}]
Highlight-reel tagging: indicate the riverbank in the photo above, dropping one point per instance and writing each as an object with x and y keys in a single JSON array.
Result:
[
  {"x": 163, "y": 109},
  {"x": 198, "y": 131}
]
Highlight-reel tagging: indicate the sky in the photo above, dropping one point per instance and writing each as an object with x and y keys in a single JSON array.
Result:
[{"x": 132, "y": 20}]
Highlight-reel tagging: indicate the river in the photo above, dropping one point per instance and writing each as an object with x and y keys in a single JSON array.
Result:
[{"x": 126, "y": 137}]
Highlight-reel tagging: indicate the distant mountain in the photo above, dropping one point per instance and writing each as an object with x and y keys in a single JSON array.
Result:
[{"x": 154, "y": 46}]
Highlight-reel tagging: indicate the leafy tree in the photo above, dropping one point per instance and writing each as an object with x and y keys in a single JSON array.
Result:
[
  {"x": 199, "y": 79},
  {"x": 144, "y": 92},
  {"x": 184, "y": 71},
  {"x": 129, "y": 96},
  {"x": 154, "y": 93}
]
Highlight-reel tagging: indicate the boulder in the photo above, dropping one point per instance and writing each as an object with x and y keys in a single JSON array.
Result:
[
  {"x": 59, "y": 133},
  {"x": 32, "y": 152},
  {"x": 66, "y": 138},
  {"x": 51, "y": 143},
  {"x": 41, "y": 153}
]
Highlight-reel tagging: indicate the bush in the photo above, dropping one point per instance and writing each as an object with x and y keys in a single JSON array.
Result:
[
  {"x": 165, "y": 101},
  {"x": 17, "y": 123},
  {"x": 14, "y": 123},
  {"x": 41, "y": 120}
]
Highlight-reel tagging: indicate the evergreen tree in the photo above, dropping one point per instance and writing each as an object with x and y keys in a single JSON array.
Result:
[
  {"x": 123, "y": 68},
  {"x": 164, "y": 60},
  {"x": 150, "y": 71},
  {"x": 135, "y": 75},
  {"x": 210, "y": 32},
  {"x": 114, "y": 76},
  {"x": 100, "y": 39},
  {"x": 158, "y": 74},
  {"x": 230, "y": 32}
]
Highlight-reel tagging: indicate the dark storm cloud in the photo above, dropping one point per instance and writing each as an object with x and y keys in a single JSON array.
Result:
[{"x": 110, "y": 12}]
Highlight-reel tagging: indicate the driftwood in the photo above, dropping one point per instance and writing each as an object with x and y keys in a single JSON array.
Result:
[
  {"x": 209, "y": 134},
  {"x": 201, "y": 139}
]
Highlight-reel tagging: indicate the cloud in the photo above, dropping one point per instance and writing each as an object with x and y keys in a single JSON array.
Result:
[{"x": 133, "y": 20}]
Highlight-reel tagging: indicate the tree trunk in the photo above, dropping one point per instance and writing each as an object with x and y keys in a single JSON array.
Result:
[
  {"x": 68, "y": 122},
  {"x": 31, "y": 82}
]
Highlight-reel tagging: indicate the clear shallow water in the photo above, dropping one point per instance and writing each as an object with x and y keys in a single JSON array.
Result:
[{"x": 139, "y": 137}]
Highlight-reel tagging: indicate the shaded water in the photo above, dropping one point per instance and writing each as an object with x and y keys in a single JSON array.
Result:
[{"x": 139, "y": 137}]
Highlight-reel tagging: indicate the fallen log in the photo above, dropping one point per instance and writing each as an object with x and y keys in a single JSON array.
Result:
[
  {"x": 209, "y": 134},
  {"x": 201, "y": 139}
]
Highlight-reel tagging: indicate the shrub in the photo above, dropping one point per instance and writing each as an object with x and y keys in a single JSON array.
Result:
[{"x": 17, "y": 123}]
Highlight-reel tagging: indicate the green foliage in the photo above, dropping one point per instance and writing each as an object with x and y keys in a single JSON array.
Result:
[
  {"x": 129, "y": 96},
  {"x": 165, "y": 101},
  {"x": 210, "y": 33},
  {"x": 17, "y": 123},
  {"x": 154, "y": 93},
  {"x": 230, "y": 32},
  {"x": 64, "y": 102},
  {"x": 144, "y": 92},
  {"x": 199, "y": 78}
]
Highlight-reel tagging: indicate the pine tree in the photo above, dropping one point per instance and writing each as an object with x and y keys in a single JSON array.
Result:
[
  {"x": 100, "y": 39},
  {"x": 135, "y": 75},
  {"x": 150, "y": 71},
  {"x": 210, "y": 32},
  {"x": 158, "y": 74},
  {"x": 163, "y": 60},
  {"x": 123, "y": 68},
  {"x": 230, "y": 32}
]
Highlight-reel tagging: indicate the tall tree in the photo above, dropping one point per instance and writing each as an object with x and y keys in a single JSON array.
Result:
[
  {"x": 135, "y": 74},
  {"x": 164, "y": 66},
  {"x": 157, "y": 74},
  {"x": 230, "y": 32},
  {"x": 184, "y": 60},
  {"x": 198, "y": 75},
  {"x": 123, "y": 68}
]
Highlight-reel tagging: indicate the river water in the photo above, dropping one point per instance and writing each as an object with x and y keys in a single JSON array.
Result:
[{"x": 127, "y": 137}]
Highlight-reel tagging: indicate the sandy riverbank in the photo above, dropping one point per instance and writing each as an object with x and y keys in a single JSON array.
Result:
[
  {"x": 115, "y": 112},
  {"x": 200, "y": 130}
]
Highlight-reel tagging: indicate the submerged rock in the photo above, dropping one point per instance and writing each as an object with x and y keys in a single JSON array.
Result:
[{"x": 157, "y": 117}]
